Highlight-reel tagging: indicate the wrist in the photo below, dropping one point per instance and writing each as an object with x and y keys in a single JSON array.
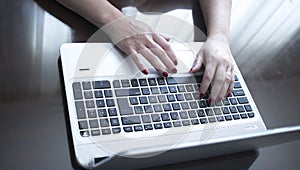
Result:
[{"x": 219, "y": 36}]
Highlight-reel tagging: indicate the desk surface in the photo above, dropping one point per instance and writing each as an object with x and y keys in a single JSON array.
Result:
[{"x": 266, "y": 47}]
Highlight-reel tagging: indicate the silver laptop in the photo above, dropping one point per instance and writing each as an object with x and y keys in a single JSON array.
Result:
[{"x": 119, "y": 118}]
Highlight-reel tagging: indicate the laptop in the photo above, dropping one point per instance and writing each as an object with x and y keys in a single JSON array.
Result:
[{"x": 118, "y": 118}]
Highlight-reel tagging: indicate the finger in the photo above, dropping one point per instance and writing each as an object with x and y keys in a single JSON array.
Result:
[
  {"x": 225, "y": 86},
  {"x": 154, "y": 61},
  {"x": 197, "y": 63},
  {"x": 207, "y": 78},
  {"x": 136, "y": 58},
  {"x": 218, "y": 82},
  {"x": 231, "y": 85},
  {"x": 165, "y": 46},
  {"x": 167, "y": 38},
  {"x": 161, "y": 54}
]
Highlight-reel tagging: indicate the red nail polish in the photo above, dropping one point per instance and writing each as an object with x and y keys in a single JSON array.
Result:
[
  {"x": 174, "y": 70},
  {"x": 228, "y": 95},
  {"x": 165, "y": 74},
  {"x": 145, "y": 71},
  {"x": 201, "y": 95},
  {"x": 209, "y": 101}
]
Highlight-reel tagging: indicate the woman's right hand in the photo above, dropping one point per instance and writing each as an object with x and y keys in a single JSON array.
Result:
[{"x": 137, "y": 39}]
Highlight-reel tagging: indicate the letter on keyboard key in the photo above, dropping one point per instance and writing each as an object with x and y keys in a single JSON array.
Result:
[
  {"x": 124, "y": 107},
  {"x": 101, "y": 84}
]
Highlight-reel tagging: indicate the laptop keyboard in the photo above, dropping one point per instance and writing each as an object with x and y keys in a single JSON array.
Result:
[{"x": 108, "y": 107}]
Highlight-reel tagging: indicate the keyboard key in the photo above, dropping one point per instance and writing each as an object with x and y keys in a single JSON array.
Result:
[
  {"x": 186, "y": 123},
  {"x": 171, "y": 98},
  {"x": 162, "y": 99},
  {"x": 244, "y": 116},
  {"x": 165, "y": 117},
  {"x": 143, "y": 82},
  {"x": 184, "y": 105},
  {"x": 138, "y": 128},
  {"x": 134, "y": 83},
  {"x": 77, "y": 90},
  {"x": 152, "y": 82},
  {"x": 174, "y": 115},
  {"x": 108, "y": 93},
  {"x": 189, "y": 88},
  {"x": 148, "y": 109},
  {"x": 128, "y": 92},
  {"x": 236, "y": 116},
  {"x": 251, "y": 115},
  {"x": 175, "y": 106},
  {"x": 209, "y": 112},
  {"x": 195, "y": 121},
  {"x": 116, "y": 84},
  {"x": 203, "y": 121},
  {"x": 171, "y": 81},
  {"x": 124, "y": 107},
  {"x": 228, "y": 117},
  {"x": 84, "y": 133},
  {"x": 226, "y": 102},
  {"x": 212, "y": 119},
  {"x": 248, "y": 108},
  {"x": 217, "y": 111},
  {"x": 201, "y": 113},
  {"x": 130, "y": 120},
  {"x": 143, "y": 100},
  {"x": 158, "y": 126},
  {"x": 243, "y": 100},
  {"x": 145, "y": 91},
  {"x": 179, "y": 97},
  {"x": 102, "y": 113},
  {"x": 241, "y": 109},
  {"x": 188, "y": 96},
  {"x": 233, "y": 101},
  {"x": 239, "y": 92},
  {"x": 80, "y": 110},
  {"x": 237, "y": 85},
  {"x": 83, "y": 124},
  {"x": 225, "y": 110},
  {"x": 181, "y": 88},
  {"x": 104, "y": 122},
  {"x": 148, "y": 127},
  {"x": 155, "y": 117},
  {"x": 193, "y": 104},
  {"x": 167, "y": 107},
  {"x": 92, "y": 113},
  {"x": 176, "y": 123},
  {"x": 196, "y": 95},
  {"x": 112, "y": 111},
  {"x": 86, "y": 85},
  {"x": 95, "y": 132},
  {"x": 98, "y": 94},
  {"x": 192, "y": 113},
  {"x": 110, "y": 102},
  {"x": 233, "y": 109},
  {"x": 172, "y": 89},
  {"x": 202, "y": 104},
  {"x": 89, "y": 104},
  {"x": 114, "y": 122},
  {"x": 158, "y": 108},
  {"x": 94, "y": 123},
  {"x": 220, "y": 119},
  {"x": 161, "y": 81},
  {"x": 183, "y": 115},
  {"x": 88, "y": 94},
  {"x": 164, "y": 89},
  {"x": 152, "y": 99},
  {"x": 100, "y": 103},
  {"x": 128, "y": 129},
  {"x": 138, "y": 109},
  {"x": 133, "y": 101},
  {"x": 167, "y": 124},
  {"x": 116, "y": 130},
  {"x": 154, "y": 90},
  {"x": 146, "y": 118},
  {"x": 236, "y": 78},
  {"x": 105, "y": 84},
  {"x": 125, "y": 83}
]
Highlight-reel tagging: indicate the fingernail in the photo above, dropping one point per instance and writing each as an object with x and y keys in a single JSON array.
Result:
[
  {"x": 175, "y": 62},
  {"x": 228, "y": 95},
  {"x": 191, "y": 70},
  {"x": 201, "y": 95},
  {"x": 165, "y": 74},
  {"x": 145, "y": 71},
  {"x": 174, "y": 70},
  {"x": 209, "y": 101}
]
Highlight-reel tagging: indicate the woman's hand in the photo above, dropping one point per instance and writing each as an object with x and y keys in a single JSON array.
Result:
[
  {"x": 137, "y": 39},
  {"x": 219, "y": 69}
]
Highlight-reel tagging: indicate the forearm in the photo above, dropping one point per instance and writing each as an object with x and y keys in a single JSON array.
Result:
[
  {"x": 217, "y": 18},
  {"x": 98, "y": 12}
]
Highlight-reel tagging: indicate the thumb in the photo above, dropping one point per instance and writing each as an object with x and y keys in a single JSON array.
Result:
[{"x": 198, "y": 62}]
